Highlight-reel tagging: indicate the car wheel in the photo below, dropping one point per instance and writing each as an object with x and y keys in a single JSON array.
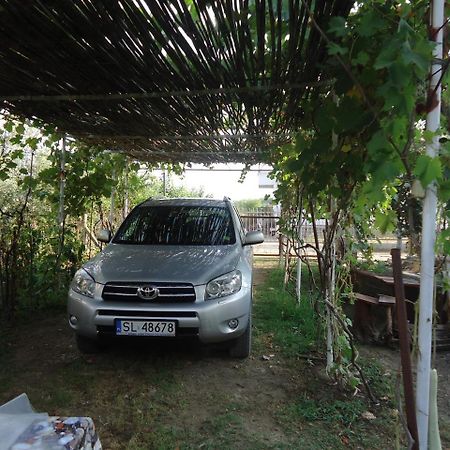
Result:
[
  {"x": 87, "y": 345},
  {"x": 241, "y": 347}
]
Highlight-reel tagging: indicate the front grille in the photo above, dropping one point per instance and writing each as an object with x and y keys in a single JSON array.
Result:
[
  {"x": 168, "y": 292},
  {"x": 145, "y": 314}
]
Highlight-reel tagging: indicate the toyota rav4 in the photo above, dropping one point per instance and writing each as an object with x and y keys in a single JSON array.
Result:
[{"x": 176, "y": 268}]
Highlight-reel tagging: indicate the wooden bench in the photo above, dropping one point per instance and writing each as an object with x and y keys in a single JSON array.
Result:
[{"x": 363, "y": 320}]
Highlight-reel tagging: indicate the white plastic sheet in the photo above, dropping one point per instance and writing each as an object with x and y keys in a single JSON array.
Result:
[
  {"x": 15, "y": 417},
  {"x": 21, "y": 428}
]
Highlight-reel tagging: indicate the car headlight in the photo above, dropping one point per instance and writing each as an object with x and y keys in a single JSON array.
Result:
[
  {"x": 224, "y": 285},
  {"x": 83, "y": 283}
]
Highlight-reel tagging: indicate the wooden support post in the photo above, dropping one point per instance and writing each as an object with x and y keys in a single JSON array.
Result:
[{"x": 404, "y": 339}]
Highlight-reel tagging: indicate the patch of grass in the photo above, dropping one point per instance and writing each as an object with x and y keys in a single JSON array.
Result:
[
  {"x": 444, "y": 429},
  {"x": 292, "y": 326},
  {"x": 380, "y": 381},
  {"x": 59, "y": 395},
  {"x": 343, "y": 412},
  {"x": 338, "y": 424},
  {"x": 227, "y": 432},
  {"x": 160, "y": 437},
  {"x": 324, "y": 418}
]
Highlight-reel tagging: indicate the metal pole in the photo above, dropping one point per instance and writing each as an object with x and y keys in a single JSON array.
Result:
[
  {"x": 331, "y": 278},
  {"x": 62, "y": 184},
  {"x": 429, "y": 237},
  {"x": 286, "y": 261},
  {"x": 330, "y": 288},
  {"x": 113, "y": 193},
  {"x": 399, "y": 239},
  {"x": 298, "y": 284},
  {"x": 164, "y": 182},
  {"x": 126, "y": 199},
  {"x": 435, "y": 438},
  {"x": 61, "y": 215}
]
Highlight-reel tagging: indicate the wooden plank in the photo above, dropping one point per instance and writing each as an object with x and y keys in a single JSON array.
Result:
[
  {"x": 366, "y": 298},
  {"x": 408, "y": 281},
  {"x": 386, "y": 300}
]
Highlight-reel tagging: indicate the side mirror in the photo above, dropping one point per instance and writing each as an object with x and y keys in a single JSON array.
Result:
[
  {"x": 104, "y": 235},
  {"x": 254, "y": 237}
]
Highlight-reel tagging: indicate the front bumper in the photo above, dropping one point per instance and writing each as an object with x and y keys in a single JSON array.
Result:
[{"x": 207, "y": 320}]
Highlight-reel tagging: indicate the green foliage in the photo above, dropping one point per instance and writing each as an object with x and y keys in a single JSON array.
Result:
[
  {"x": 30, "y": 240},
  {"x": 359, "y": 145},
  {"x": 249, "y": 204},
  {"x": 408, "y": 210},
  {"x": 443, "y": 239},
  {"x": 386, "y": 222},
  {"x": 378, "y": 267},
  {"x": 88, "y": 177},
  {"x": 428, "y": 169},
  {"x": 357, "y": 138},
  {"x": 37, "y": 256}
]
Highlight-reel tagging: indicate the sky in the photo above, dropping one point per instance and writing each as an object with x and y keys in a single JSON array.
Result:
[{"x": 219, "y": 183}]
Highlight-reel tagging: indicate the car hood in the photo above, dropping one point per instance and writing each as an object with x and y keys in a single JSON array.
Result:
[{"x": 152, "y": 263}]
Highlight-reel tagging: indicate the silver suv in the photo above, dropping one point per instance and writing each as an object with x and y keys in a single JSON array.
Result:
[{"x": 175, "y": 269}]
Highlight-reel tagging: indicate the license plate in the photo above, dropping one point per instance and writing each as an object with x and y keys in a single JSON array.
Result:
[{"x": 144, "y": 328}]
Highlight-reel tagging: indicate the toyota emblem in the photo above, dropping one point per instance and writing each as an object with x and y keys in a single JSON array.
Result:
[{"x": 147, "y": 292}]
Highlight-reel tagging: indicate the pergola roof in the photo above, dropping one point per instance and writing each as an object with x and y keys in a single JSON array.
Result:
[{"x": 165, "y": 81}]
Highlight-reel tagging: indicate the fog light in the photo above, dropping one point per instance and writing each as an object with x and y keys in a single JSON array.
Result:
[
  {"x": 233, "y": 323},
  {"x": 73, "y": 320}
]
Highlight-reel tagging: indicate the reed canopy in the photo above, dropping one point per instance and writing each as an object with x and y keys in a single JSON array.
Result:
[{"x": 166, "y": 81}]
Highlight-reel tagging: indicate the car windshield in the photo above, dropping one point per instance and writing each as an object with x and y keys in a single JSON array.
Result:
[{"x": 177, "y": 225}]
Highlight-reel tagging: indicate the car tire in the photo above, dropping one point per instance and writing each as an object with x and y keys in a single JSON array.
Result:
[
  {"x": 242, "y": 346},
  {"x": 87, "y": 345}
]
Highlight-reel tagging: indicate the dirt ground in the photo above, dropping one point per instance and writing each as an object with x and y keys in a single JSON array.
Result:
[
  {"x": 182, "y": 396},
  {"x": 390, "y": 358},
  {"x": 191, "y": 388},
  {"x": 204, "y": 384}
]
